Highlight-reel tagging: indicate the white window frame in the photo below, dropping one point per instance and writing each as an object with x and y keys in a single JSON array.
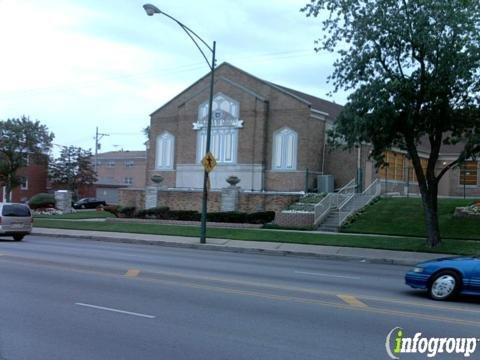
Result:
[
  {"x": 128, "y": 180},
  {"x": 24, "y": 185},
  {"x": 129, "y": 163},
  {"x": 224, "y": 130},
  {"x": 285, "y": 149},
  {"x": 111, "y": 163},
  {"x": 223, "y": 144},
  {"x": 164, "y": 151}
]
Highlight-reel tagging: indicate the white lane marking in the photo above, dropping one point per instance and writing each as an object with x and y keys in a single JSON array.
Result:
[
  {"x": 116, "y": 310},
  {"x": 328, "y": 275}
]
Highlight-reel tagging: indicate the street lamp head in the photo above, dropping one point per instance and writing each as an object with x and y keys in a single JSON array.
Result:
[{"x": 151, "y": 9}]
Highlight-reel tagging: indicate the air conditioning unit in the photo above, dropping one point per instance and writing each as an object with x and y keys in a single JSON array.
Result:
[{"x": 325, "y": 183}]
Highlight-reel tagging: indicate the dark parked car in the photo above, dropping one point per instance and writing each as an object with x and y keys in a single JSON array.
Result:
[{"x": 88, "y": 203}]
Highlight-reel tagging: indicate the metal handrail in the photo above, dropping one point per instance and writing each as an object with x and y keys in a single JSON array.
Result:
[
  {"x": 351, "y": 184},
  {"x": 323, "y": 208},
  {"x": 334, "y": 200},
  {"x": 375, "y": 186}
]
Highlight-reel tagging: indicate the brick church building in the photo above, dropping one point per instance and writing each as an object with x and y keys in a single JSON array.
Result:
[{"x": 271, "y": 137}]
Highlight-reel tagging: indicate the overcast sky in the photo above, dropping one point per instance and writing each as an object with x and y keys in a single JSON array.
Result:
[{"x": 78, "y": 64}]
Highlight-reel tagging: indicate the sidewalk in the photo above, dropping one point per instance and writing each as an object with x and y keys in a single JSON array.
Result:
[{"x": 260, "y": 247}]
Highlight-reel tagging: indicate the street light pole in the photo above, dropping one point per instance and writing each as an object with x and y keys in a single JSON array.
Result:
[
  {"x": 203, "y": 229},
  {"x": 151, "y": 10}
]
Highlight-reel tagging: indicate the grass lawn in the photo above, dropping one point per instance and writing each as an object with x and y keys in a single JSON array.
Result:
[
  {"x": 461, "y": 247},
  {"x": 404, "y": 217},
  {"x": 78, "y": 215}
]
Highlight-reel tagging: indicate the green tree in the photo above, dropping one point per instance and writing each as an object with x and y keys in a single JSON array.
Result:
[
  {"x": 20, "y": 139},
  {"x": 413, "y": 69},
  {"x": 72, "y": 168},
  {"x": 146, "y": 133}
]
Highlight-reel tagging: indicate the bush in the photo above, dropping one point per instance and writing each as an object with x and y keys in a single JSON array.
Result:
[
  {"x": 164, "y": 213},
  {"x": 42, "y": 200},
  {"x": 261, "y": 217},
  {"x": 142, "y": 214},
  {"x": 185, "y": 215},
  {"x": 160, "y": 212},
  {"x": 113, "y": 209},
  {"x": 126, "y": 211},
  {"x": 228, "y": 216}
]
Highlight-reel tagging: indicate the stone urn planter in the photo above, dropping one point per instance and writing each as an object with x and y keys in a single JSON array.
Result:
[
  {"x": 233, "y": 180},
  {"x": 157, "y": 179}
]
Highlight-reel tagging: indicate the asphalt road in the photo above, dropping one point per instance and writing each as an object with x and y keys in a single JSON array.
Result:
[{"x": 79, "y": 299}]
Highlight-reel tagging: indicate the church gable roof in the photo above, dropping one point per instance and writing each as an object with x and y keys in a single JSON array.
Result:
[{"x": 314, "y": 102}]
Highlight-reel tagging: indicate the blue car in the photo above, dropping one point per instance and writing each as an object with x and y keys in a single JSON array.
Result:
[{"x": 446, "y": 277}]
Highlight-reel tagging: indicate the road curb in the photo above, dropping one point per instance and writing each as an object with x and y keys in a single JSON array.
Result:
[{"x": 236, "y": 249}]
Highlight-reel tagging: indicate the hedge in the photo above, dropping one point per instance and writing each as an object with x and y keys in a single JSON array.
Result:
[
  {"x": 42, "y": 200},
  {"x": 164, "y": 213}
]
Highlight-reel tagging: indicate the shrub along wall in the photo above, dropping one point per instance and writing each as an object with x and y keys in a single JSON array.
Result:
[{"x": 164, "y": 213}]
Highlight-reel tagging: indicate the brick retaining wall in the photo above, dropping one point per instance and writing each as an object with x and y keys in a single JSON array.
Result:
[
  {"x": 295, "y": 220},
  {"x": 192, "y": 200}
]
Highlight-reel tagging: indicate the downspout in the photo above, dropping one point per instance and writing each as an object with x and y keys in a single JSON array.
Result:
[
  {"x": 265, "y": 141},
  {"x": 253, "y": 147},
  {"x": 323, "y": 156}
]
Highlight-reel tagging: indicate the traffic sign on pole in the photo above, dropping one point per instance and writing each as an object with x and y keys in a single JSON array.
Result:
[{"x": 209, "y": 162}]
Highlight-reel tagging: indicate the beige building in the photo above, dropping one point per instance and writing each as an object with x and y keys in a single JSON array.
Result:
[{"x": 118, "y": 169}]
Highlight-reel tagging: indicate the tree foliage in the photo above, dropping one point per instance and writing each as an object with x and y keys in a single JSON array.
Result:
[
  {"x": 72, "y": 168},
  {"x": 20, "y": 139},
  {"x": 413, "y": 67}
]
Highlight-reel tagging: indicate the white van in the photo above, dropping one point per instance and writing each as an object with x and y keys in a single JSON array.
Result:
[{"x": 15, "y": 220}]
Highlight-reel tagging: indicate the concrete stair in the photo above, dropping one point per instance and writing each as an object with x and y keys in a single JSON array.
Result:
[{"x": 332, "y": 221}]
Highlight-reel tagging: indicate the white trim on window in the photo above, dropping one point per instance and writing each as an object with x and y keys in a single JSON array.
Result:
[
  {"x": 224, "y": 129},
  {"x": 165, "y": 151},
  {"x": 223, "y": 144},
  {"x": 23, "y": 183},
  {"x": 284, "y": 154}
]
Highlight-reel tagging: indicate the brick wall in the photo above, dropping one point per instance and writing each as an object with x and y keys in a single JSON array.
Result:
[
  {"x": 131, "y": 197},
  {"x": 252, "y": 202},
  {"x": 264, "y": 110},
  {"x": 36, "y": 174},
  {"x": 192, "y": 200},
  {"x": 295, "y": 220}
]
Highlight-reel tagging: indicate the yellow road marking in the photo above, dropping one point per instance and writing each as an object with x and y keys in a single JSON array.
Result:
[
  {"x": 352, "y": 300},
  {"x": 312, "y": 291},
  {"x": 132, "y": 273},
  {"x": 388, "y": 312}
]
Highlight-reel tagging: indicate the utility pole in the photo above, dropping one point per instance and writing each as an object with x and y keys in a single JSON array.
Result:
[{"x": 98, "y": 137}]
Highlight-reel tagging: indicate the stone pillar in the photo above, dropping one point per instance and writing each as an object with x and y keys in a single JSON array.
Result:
[
  {"x": 230, "y": 195},
  {"x": 151, "y": 193},
  {"x": 63, "y": 201}
]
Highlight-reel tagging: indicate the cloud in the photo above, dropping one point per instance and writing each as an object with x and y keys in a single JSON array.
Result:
[{"x": 78, "y": 64}]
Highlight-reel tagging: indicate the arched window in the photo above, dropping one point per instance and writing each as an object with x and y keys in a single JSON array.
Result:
[
  {"x": 284, "y": 149},
  {"x": 224, "y": 130},
  {"x": 165, "y": 151}
]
